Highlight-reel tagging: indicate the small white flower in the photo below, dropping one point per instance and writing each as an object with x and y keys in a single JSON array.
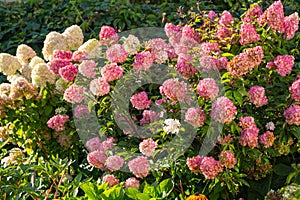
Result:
[
  {"x": 171, "y": 126},
  {"x": 270, "y": 126}
]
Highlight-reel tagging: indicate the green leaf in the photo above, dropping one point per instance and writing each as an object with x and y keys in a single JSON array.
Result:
[
  {"x": 282, "y": 169},
  {"x": 89, "y": 190},
  {"x": 142, "y": 196},
  {"x": 227, "y": 55},
  {"x": 165, "y": 187},
  {"x": 238, "y": 97},
  {"x": 131, "y": 193}
]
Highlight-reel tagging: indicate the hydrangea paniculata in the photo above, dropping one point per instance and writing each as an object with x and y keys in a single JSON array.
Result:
[
  {"x": 195, "y": 116},
  {"x": 208, "y": 88},
  {"x": 132, "y": 183},
  {"x": 116, "y": 53},
  {"x": 147, "y": 146},
  {"x": 110, "y": 179},
  {"x": 223, "y": 110},
  {"x": 111, "y": 72},
  {"x": 140, "y": 101},
  {"x": 257, "y": 96},
  {"x": 74, "y": 94},
  {"x": 139, "y": 166},
  {"x": 99, "y": 87},
  {"x": 57, "y": 122},
  {"x": 114, "y": 163},
  {"x": 267, "y": 139},
  {"x": 227, "y": 158},
  {"x": 292, "y": 115}
]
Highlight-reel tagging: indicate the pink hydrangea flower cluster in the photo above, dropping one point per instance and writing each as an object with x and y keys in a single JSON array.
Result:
[
  {"x": 225, "y": 18},
  {"x": 195, "y": 116},
  {"x": 69, "y": 72},
  {"x": 252, "y": 14},
  {"x": 245, "y": 61},
  {"x": 174, "y": 89},
  {"x": 184, "y": 68},
  {"x": 267, "y": 139},
  {"x": 212, "y": 15},
  {"x": 274, "y": 17},
  {"x": 87, "y": 68},
  {"x": 61, "y": 54},
  {"x": 97, "y": 159},
  {"x": 111, "y": 72},
  {"x": 56, "y": 64},
  {"x": 171, "y": 29},
  {"x": 150, "y": 116},
  {"x": 208, "y": 48},
  {"x": 57, "y": 122},
  {"x": 79, "y": 56},
  {"x": 74, "y": 94},
  {"x": 257, "y": 96},
  {"x": 147, "y": 147},
  {"x": 157, "y": 47},
  {"x": 99, "y": 87},
  {"x": 246, "y": 122},
  {"x": 140, "y": 101},
  {"x": 223, "y": 110},
  {"x": 81, "y": 111},
  {"x": 248, "y": 34},
  {"x": 295, "y": 90},
  {"x": 107, "y": 35},
  {"x": 291, "y": 25},
  {"x": 249, "y": 137},
  {"x": 194, "y": 163},
  {"x": 208, "y": 88},
  {"x": 132, "y": 183},
  {"x": 283, "y": 64},
  {"x": 94, "y": 144},
  {"x": 110, "y": 179},
  {"x": 210, "y": 167},
  {"x": 114, "y": 163},
  {"x": 143, "y": 60},
  {"x": 139, "y": 166},
  {"x": 190, "y": 35},
  {"x": 292, "y": 115},
  {"x": 227, "y": 158},
  {"x": 116, "y": 53}
]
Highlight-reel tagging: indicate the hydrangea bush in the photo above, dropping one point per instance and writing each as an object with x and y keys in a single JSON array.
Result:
[{"x": 239, "y": 74}]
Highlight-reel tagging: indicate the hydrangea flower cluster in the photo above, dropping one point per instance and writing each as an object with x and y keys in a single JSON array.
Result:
[
  {"x": 267, "y": 139},
  {"x": 208, "y": 88},
  {"x": 74, "y": 94},
  {"x": 283, "y": 64},
  {"x": 295, "y": 90},
  {"x": 87, "y": 68},
  {"x": 81, "y": 111},
  {"x": 147, "y": 147},
  {"x": 257, "y": 96},
  {"x": 249, "y": 133},
  {"x": 143, "y": 60},
  {"x": 171, "y": 126},
  {"x": 107, "y": 35},
  {"x": 132, "y": 183},
  {"x": 57, "y": 122},
  {"x": 139, "y": 166},
  {"x": 248, "y": 34},
  {"x": 208, "y": 166},
  {"x": 223, "y": 110},
  {"x": 99, "y": 86},
  {"x": 174, "y": 89},
  {"x": 195, "y": 116},
  {"x": 110, "y": 179},
  {"x": 140, "y": 101},
  {"x": 227, "y": 158},
  {"x": 292, "y": 115},
  {"x": 245, "y": 61},
  {"x": 111, "y": 72},
  {"x": 116, "y": 53}
]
